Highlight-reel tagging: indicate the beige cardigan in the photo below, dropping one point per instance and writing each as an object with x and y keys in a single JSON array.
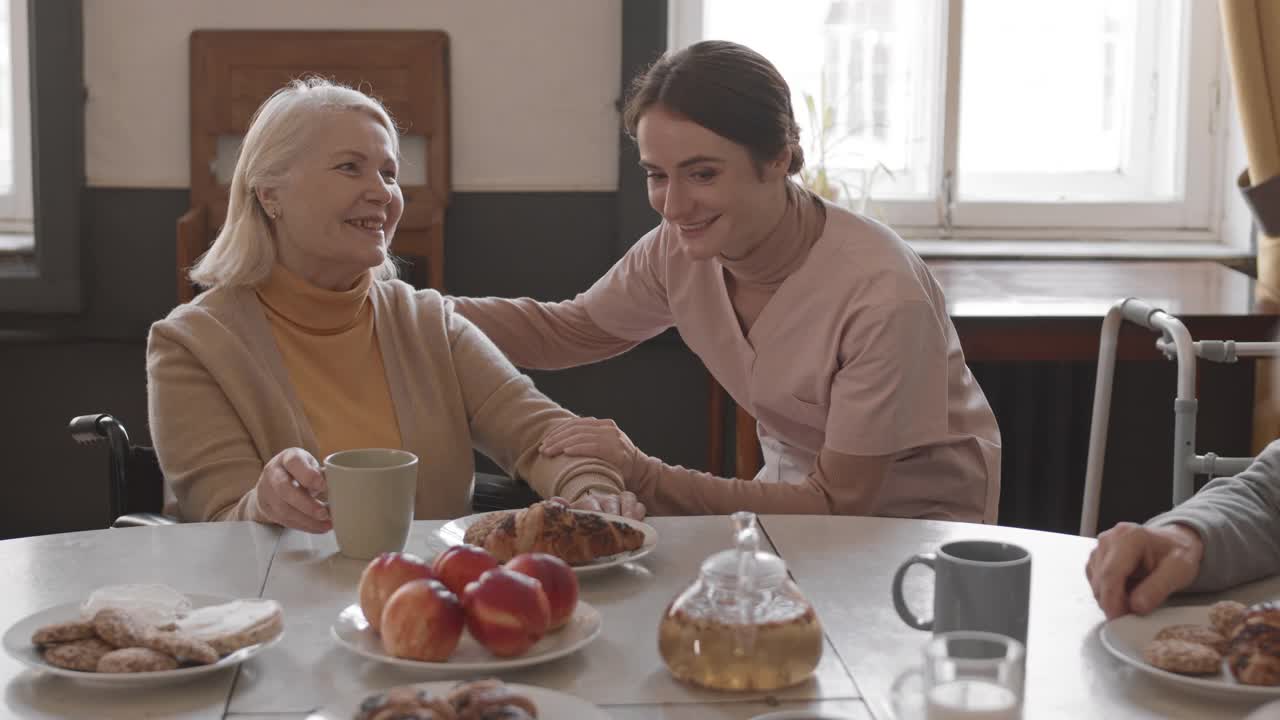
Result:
[{"x": 221, "y": 405}]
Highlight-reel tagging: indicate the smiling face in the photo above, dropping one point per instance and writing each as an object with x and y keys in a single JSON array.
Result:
[
  {"x": 339, "y": 204},
  {"x": 708, "y": 188}
]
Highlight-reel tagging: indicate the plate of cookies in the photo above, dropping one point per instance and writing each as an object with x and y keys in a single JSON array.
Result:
[
  {"x": 1225, "y": 649},
  {"x": 473, "y": 698},
  {"x": 144, "y": 635},
  {"x": 589, "y": 541}
]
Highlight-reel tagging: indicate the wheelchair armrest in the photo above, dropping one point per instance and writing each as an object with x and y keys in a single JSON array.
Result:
[
  {"x": 143, "y": 520},
  {"x": 498, "y": 492}
]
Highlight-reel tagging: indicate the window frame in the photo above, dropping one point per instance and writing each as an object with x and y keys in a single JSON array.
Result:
[
  {"x": 50, "y": 281},
  {"x": 15, "y": 206},
  {"x": 1196, "y": 218}
]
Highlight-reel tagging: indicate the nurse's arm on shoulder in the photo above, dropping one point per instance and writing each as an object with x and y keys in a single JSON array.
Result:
[
  {"x": 542, "y": 335},
  {"x": 626, "y": 306},
  {"x": 1227, "y": 534}
]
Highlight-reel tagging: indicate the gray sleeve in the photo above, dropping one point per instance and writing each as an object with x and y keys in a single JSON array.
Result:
[{"x": 1239, "y": 520}]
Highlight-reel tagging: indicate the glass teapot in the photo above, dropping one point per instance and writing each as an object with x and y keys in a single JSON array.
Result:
[{"x": 742, "y": 625}]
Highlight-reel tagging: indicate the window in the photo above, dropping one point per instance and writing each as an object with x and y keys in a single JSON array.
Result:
[
  {"x": 48, "y": 96},
  {"x": 992, "y": 118},
  {"x": 15, "y": 123}
]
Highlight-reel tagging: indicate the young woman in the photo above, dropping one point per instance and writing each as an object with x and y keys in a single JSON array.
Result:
[
  {"x": 822, "y": 323},
  {"x": 304, "y": 344}
]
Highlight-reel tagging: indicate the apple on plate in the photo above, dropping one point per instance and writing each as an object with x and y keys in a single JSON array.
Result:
[
  {"x": 558, "y": 581},
  {"x": 461, "y": 565},
  {"x": 383, "y": 576},
  {"x": 422, "y": 621},
  {"x": 507, "y": 612}
]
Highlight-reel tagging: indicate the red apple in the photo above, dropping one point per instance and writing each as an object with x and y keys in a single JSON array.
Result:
[
  {"x": 383, "y": 576},
  {"x": 558, "y": 581},
  {"x": 461, "y": 565},
  {"x": 507, "y": 612},
  {"x": 422, "y": 621}
]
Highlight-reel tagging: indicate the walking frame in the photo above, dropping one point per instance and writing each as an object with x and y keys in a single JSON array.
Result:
[{"x": 1176, "y": 344}]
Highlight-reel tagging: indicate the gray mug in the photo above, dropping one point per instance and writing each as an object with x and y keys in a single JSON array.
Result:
[{"x": 978, "y": 585}]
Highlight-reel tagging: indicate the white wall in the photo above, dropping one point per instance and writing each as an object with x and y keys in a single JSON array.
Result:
[{"x": 533, "y": 83}]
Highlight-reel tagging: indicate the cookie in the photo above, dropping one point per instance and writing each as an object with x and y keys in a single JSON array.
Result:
[
  {"x": 80, "y": 655},
  {"x": 119, "y": 628},
  {"x": 1180, "y": 656},
  {"x": 135, "y": 660},
  {"x": 152, "y": 604},
  {"x": 234, "y": 625},
  {"x": 63, "y": 632},
  {"x": 1225, "y": 615},
  {"x": 180, "y": 645},
  {"x": 1201, "y": 634},
  {"x": 122, "y": 630}
]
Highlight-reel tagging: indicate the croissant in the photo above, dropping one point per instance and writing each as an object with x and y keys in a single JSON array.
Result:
[
  {"x": 484, "y": 699},
  {"x": 575, "y": 537},
  {"x": 405, "y": 703},
  {"x": 1254, "y": 653}
]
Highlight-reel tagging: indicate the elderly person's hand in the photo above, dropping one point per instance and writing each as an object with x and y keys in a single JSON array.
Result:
[
  {"x": 1135, "y": 568},
  {"x": 625, "y": 504},
  {"x": 289, "y": 489},
  {"x": 591, "y": 437}
]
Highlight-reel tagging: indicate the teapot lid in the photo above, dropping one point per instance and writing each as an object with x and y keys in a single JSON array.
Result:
[
  {"x": 725, "y": 567},
  {"x": 745, "y": 566}
]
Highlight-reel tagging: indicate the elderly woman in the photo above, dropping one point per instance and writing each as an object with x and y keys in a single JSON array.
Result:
[{"x": 304, "y": 344}]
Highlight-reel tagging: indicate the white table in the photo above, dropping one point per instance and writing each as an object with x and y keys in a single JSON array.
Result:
[
  {"x": 1069, "y": 673},
  {"x": 843, "y": 565}
]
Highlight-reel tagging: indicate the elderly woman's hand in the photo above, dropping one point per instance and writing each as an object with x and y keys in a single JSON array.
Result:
[
  {"x": 289, "y": 489},
  {"x": 625, "y": 504},
  {"x": 590, "y": 437},
  {"x": 1134, "y": 568}
]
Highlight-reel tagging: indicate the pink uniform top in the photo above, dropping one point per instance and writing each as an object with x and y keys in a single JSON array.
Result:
[{"x": 853, "y": 354}]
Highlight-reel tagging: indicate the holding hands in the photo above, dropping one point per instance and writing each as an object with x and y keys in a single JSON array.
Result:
[
  {"x": 1135, "y": 568},
  {"x": 603, "y": 439},
  {"x": 625, "y": 504},
  {"x": 289, "y": 491}
]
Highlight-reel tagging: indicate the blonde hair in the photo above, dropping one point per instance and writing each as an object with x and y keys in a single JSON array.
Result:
[{"x": 244, "y": 251}]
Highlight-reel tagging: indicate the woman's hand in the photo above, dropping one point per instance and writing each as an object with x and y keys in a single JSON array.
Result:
[
  {"x": 590, "y": 437},
  {"x": 625, "y": 504},
  {"x": 1134, "y": 568},
  {"x": 288, "y": 492}
]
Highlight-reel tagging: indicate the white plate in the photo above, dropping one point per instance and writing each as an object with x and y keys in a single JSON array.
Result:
[
  {"x": 454, "y": 530},
  {"x": 352, "y": 631},
  {"x": 17, "y": 642},
  {"x": 1126, "y": 636},
  {"x": 551, "y": 704}
]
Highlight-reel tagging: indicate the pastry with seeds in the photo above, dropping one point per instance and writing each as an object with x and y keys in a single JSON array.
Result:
[
  {"x": 1200, "y": 634},
  {"x": 1224, "y": 615},
  {"x": 1182, "y": 657}
]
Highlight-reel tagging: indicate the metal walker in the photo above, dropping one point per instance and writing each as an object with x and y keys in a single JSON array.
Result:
[{"x": 1176, "y": 344}]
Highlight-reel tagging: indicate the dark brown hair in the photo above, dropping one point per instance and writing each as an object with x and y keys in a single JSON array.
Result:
[{"x": 727, "y": 88}]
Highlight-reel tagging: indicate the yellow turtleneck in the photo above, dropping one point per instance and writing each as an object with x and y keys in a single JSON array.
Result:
[{"x": 330, "y": 349}]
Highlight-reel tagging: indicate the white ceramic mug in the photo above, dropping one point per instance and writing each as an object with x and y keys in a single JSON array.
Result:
[{"x": 371, "y": 494}]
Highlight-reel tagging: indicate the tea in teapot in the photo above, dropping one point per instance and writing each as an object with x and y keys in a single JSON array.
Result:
[{"x": 742, "y": 625}]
